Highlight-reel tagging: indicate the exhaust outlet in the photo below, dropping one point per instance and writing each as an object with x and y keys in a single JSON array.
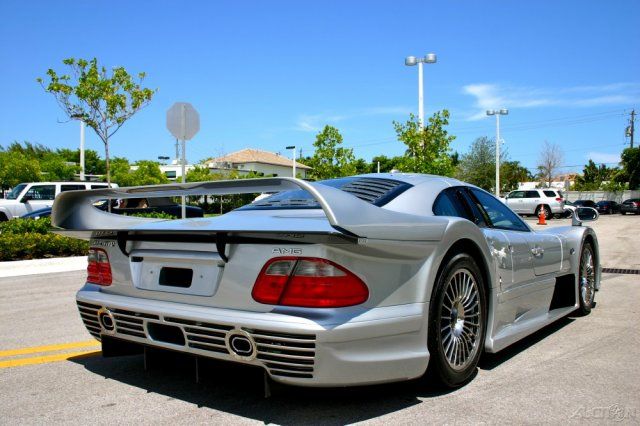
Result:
[
  {"x": 107, "y": 321},
  {"x": 241, "y": 345}
]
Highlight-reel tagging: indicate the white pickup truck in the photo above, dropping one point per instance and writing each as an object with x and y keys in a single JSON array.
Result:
[{"x": 27, "y": 197}]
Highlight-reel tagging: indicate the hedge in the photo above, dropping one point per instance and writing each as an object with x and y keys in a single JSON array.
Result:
[{"x": 22, "y": 239}]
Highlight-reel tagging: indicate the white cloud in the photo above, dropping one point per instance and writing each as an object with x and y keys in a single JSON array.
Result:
[
  {"x": 492, "y": 96},
  {"x": 315, "y": 122},
  {"x": 603, "y": 157}
]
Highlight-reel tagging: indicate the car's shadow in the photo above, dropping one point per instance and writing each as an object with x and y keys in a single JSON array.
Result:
[{"x": 239, "y": 389}]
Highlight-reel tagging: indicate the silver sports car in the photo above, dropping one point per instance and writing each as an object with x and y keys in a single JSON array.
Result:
[{"x": 350, "y": 281}]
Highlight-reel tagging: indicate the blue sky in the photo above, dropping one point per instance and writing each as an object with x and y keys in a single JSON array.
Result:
[{"x": 267, "y": 74}]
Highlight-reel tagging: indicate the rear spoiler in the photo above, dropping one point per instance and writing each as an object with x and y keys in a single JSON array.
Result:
[{"x": 347, "y": 214}]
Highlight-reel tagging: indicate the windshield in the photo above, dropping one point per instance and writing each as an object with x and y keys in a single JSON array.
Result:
[{"x": 13, "y": 194}]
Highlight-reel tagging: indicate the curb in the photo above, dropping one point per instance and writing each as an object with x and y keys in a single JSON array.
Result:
[{"x": 18, "y": 268}]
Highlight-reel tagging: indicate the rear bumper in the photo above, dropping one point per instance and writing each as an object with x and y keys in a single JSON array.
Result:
[{"x": 381, "y": 345}]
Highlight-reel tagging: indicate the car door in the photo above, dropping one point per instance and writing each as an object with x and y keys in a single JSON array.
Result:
[
  {"x": 39, "y": 196},
  {"x": 515, "y": 201},
  {"x": 507, "y": 236},
  {"x": 547, "y": 252},
  {"x": 531, "y": 201}
]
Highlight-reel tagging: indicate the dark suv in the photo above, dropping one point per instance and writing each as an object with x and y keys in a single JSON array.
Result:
[{"x": 631, "y": 205}]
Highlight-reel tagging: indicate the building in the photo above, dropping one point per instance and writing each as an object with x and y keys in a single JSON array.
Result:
[{"x": 258, "y": 161}]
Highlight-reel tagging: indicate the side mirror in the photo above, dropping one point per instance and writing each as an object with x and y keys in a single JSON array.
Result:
[
  {"x": 25, "y": 199},
  {"x": 584, "y": 214}
]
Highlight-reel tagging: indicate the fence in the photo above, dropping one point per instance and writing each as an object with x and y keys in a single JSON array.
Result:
[{"x": 601, "y": 195}]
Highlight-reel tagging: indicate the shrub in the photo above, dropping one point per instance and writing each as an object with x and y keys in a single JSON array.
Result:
[
  {"x": 23, "y": 226},
  {"x": 154, "y": 215},
  {"x": 34, "y": 245}
]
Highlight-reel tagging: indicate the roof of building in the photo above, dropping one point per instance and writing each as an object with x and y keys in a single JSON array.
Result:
[{"x": 250, "y": 155}]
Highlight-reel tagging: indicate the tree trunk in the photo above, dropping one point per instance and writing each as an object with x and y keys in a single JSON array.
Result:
[{"x": 106, "y": 157}]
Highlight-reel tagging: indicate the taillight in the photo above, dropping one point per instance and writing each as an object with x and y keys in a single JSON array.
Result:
[
  {"x": 636, "y": 203},
  {"x": 308, "y": 282},
  {"x": 558, "y": 199},
  {"x": 99, "y": 268}
]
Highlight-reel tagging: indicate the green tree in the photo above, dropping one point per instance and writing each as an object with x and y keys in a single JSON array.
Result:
[
  {"x": 330, "y": 159},
  {"x": 103, "y": 100},
  {"x": 51, "y": 164},
  {"x": 16, "y": 168},
  {"x": 146, "y": 173},
  {"x": 478, "y": 166},
  {"x": 593, "y": 176},
  {"x": 93, "y": 164},
  {"x": 511, "y": 174},
  {"x": 202, "y": 174},
  {"x": 428, "y": 148},
  {"x": 386, "y": 163},
  {"x": 630, "y": 161},
  {"x": 54, "y": 167}
]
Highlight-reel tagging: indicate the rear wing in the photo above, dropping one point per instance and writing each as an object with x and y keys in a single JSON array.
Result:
[{"x": 345, "y": 213}]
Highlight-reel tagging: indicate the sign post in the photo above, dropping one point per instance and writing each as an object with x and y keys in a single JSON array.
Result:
[{"x": 183, "y": 121}]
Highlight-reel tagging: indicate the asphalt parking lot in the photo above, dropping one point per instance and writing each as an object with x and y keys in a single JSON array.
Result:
[{"x": 580, "y": 369}]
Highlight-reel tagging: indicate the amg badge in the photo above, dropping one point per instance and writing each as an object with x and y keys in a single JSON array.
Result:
[{"x": 287, "y": 251}]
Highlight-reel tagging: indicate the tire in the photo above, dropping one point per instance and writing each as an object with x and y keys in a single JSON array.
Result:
[
  {"x": 586, "y": 279},
  {"x": 547, "y": 212},
  {"x": 623, "y": 213},
  {"x": 456, "y": 339},
  {"x": 3, "y": 217}
]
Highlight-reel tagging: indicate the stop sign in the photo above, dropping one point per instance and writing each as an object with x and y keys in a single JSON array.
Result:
[{"x": 183, "y": 121}]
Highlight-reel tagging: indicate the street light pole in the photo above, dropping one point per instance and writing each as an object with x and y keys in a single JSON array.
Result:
[
  {"x": 410, "y": 61},
  {"x": 293, "y": 148},
  {"x": 82, "y": 150},
  {"x": 498, "y": 113}
]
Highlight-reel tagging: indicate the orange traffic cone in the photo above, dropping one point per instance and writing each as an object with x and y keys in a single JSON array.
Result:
[{"x": 541, "y": 216}]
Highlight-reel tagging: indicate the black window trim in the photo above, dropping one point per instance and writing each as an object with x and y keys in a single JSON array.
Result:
[{"x": 489, "y": 223}]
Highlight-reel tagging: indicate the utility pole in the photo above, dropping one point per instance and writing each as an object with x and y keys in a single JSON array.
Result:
[{"x": 631, "y": 129}]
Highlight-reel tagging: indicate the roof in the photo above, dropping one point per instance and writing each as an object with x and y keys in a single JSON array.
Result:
[{"x": 250, "y": 155}]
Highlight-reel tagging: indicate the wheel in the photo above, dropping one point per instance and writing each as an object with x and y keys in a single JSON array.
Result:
[
  {"x": 3, "y": 217},
  {"x": 623, "y": 213},
  {"x": 457, "y": 318},
  {"x": 586, "y": 279},
  {"x": 547, "y": 212}
]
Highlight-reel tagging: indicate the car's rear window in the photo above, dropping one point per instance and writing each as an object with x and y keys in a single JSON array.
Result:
[
  {"x": 372, "y": 190},
  {"x": 550, "y": 194}
]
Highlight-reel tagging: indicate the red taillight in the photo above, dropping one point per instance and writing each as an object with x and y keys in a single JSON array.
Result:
[
  {"x": 559, "y": 199},
  {"x": 636, "y": 203},
  {"x": 99, "y": 268},
  {"x": 308, "y": 282}
]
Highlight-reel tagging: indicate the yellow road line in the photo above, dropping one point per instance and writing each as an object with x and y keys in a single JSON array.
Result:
[
  {"x": 45, "y": 359},
  {"x": 50, "y": 348}
]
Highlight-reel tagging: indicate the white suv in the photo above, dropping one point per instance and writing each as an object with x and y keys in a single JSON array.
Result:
[
  {"x": 532, "y": 201},
  {"x": 27, "y": 197}
]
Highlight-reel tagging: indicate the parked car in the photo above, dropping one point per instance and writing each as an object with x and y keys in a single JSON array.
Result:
[
  {"x": 28, "y": 197},
  {"x": 37, "y": 214},
  {"x": 607, "y": 207},
  {"x": 585, "y": 203},
  {"x": 569, "y": 209},
  {"x": 631, "y": 205},
  {"x": 134, "y": 206},
  {"x": 349, "y": 281},
  {"x": 532, "y": 201}
]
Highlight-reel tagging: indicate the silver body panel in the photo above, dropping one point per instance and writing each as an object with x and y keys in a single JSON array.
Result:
[{"x": 396, "y": 250}]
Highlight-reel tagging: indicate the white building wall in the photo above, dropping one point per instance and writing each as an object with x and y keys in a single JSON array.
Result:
[{"x": 270, "y": 169}]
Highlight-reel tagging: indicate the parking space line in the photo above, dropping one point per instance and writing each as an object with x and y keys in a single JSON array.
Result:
[
  {"x": 49, "y": 348},
  {"x": 46, "y": 359}
]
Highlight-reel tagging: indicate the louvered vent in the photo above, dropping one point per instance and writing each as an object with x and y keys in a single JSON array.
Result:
[{"x": 375, "y": 191}]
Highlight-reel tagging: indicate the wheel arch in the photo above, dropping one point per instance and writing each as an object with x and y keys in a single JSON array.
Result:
[{"x": 467, "y": 245}]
